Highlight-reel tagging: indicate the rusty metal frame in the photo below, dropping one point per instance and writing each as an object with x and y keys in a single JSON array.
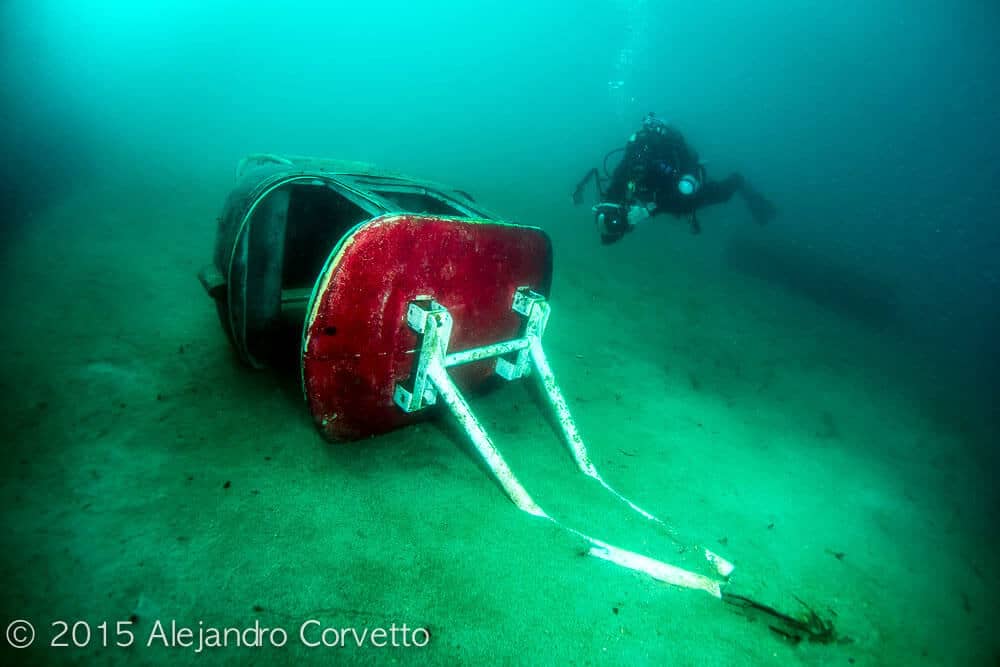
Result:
[{"x": 430, "y": 381}]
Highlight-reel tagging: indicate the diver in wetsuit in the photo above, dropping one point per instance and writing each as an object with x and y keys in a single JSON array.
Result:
[{"x": 661, "y": 173}]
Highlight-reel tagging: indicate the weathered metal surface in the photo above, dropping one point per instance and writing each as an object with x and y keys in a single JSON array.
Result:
[
  {"x": 430, "y": 378},
  {"x": 357, "y": 344}
]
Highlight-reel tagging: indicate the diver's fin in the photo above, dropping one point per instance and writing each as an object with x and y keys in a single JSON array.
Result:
[{"x": 761, "y": 209}]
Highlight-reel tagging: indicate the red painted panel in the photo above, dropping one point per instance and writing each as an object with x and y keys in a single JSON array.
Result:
[{"x": 358, "y": 345}]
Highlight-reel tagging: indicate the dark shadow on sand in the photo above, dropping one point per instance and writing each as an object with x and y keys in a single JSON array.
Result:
[{"x": 828, "y": 282}]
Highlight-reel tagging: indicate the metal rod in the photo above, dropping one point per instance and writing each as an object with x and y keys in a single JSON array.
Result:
[
  {"x": 485, "y": 352},
  {"x": 558, "y": 402},
  {"x": 467, "y": 420},
  {"x": 435, "y": 324}
]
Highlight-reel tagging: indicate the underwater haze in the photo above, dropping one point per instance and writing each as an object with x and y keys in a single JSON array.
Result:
[
  {"x": 828, "y": 376},
  {"x": 873, "y": 124}
]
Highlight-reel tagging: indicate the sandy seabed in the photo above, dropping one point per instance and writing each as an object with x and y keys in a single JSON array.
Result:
[{"x": 150, "y": 479}]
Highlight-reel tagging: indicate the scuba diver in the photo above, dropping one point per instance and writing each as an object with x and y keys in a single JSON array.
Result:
[{"x": 660, "y": 174}]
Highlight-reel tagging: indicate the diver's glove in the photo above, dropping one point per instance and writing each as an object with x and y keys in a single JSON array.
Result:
[{"x": 638, "y": 213}]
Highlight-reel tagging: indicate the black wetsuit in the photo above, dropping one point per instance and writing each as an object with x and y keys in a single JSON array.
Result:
[{"x": 655, "y": 160}]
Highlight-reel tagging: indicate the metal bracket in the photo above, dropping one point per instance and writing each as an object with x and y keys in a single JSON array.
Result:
[
  {"x": 432, "y": 320},
  {"x": 430, "y": 380}
]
